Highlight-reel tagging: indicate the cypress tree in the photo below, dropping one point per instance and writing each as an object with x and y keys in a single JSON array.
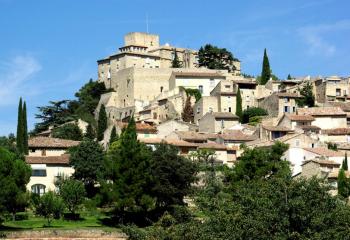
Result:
[
  {"x": 289, "y": 77},
  {"x": 25, "y": 128},
  {"x": 19, "y": 137},
  {"x": 90, "y": 133},
  {"x": 102, "y": 123},
  {"x": 266, "y": 70},
  {"x": 114, "y": 136},
  {"x": 176, "y": 62},
  {"x": 345, "y": 162},
  {"x": 187, "y": 114},
  {"x": 239, "y": 104},
  {"x": 343, "y": 184}
]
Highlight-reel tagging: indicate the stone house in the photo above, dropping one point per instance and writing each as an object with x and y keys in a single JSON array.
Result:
[
  {"x": 279, "y": 103},
  {"x": 248, "y": 88},
  {"x": 49, "y": 161},
  {"x": 216, "y": 122},
  {"x": 332, "y": 88},
  {"x": 335, "y": 135},
  {"x": 268, "y": 132},
  {"x": 294, "y": 121},
  {"x": 326, "y": 117},
  {"x": 168, "y": 127},
  {"x": 206, "y": 104}
]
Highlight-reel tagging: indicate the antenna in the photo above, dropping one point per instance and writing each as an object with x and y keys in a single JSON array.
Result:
[{"x": 147, "y": 22}]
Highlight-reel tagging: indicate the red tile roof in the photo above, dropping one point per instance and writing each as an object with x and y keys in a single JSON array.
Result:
[
  {"x": 48, "y": 142},
  {"x": 321, "y": 111},
  {"x": 212, "y": 145},
  {"x": 324, "y": 152},
  {"x": 337, "y": 131},
  {"x": 277, "y": 128},
  {"x": 236, "y": 135},
  {"x": 295, "y": 117},
  {"x": 140, "y": 127},
  {"x": 63, "y": 159},
  {"x": 288, "y": 94}
]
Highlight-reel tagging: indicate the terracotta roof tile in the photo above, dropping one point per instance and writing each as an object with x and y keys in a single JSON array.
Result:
[
  {"x": 236, "y": 135},
  {"x": 295, "y": 117},
  {"x": 321, "y": 111},
  {"x": 63, "y": 159},
  {"x": 48, "y": 142},
  {"x": 140, "y": 127},
  {"x": 277, "y": 128},
  {"x": 191, "y": 135},
  {"x": 224, "y": 115},
  {"x": 179, "y": 143},
  {"x": 337, "y": 131},
  {"x": 288, "y": 94},
  {"x": 334, "y": 174},
  {"x": 324, "y": 152},
  {"x": 322, "y": 162},
  {"x": 212, "y": 145}
]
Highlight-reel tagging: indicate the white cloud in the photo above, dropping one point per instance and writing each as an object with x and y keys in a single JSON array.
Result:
[
  {"x": 15, "y": 76},
  {"x": 316, "y": 37}
]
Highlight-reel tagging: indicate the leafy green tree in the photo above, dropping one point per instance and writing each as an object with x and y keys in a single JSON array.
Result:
[
  {"x": 252, "y": 112},
  {"x": 187, "y": 114},
  {"x": 345, "y": 162},
  {"x": 213, "y": 57},
  {"x": 69, "y": 131},
  {"x": 20, "y": 128},
  {"x": 266, "y": 70},
  {"x": 114, "y": 136},
  {"x": 49, "y": 206},
  {"x": 176, "y": 61},
  {"x": 8, "y": 143},
  {"x": 343, "y": 184},
  {"x": 239, "y": 104},
  {"x": 129, "y": 171},
  {"x": 173, "y": 174},
  {"x": 73, "y": 193},
  {"x": 88, "y": 160},
  {"x": 55, "y": 114},
  {"x": 102, "y": 123},
  {"x": 14, "y": 175},
  {"x": 90, "y": 132},
  {"x": 307, "y": 96},
  {"x": 194, "y": 93}
]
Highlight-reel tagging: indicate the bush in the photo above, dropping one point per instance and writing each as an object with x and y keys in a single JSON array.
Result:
[
  {"x": 50, "y": 206},
  {"x": 252, "y": 112},
  {"x": 21, "y": 216}
]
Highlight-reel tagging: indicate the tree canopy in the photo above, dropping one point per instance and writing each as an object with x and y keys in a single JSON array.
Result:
[
  {"x": 266, "y": 70},
  {"x": 213, "y": 57},
  {"x": 69, "y": 131},
  {"x": 102, "y": 123},
  {"x": 176, "y": 61},
  {"x": 307, "y": 96}
]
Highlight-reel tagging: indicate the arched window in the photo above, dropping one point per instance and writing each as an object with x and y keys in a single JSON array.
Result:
[{"x": 38, "y": 189}]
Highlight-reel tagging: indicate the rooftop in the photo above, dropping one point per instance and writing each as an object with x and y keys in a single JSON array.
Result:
[
  {"x": 325, "y": 152},
  {"x": 193, "y": 136},
  {"x": 198, "y": 74},
  {"x": 277, "y": 128},
  {"x": 303, "y": 118},
  {"x": 322, "y": 162},
  {"x": 236, "y": 135},
  {"x": 224, "y": 115},
  {"x": 48, "y": 142},
  {"x": 287, "y": 94},
  {"x": 337, "y": 131},
  {"x": 63, "y": 159},
  {"x": 321, "y": 111}
]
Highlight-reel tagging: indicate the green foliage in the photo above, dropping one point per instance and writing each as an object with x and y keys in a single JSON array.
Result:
[
  {"x": 25, "y": 128},
  {"x": 8, "y": 143},
  {"x": 332, "y": 146},
  {"x": 176, "y": 62},
  {"x": 129, "y": 169},
  {"x": 345, "y": 162},
  {"x": 14, "y": 175},
  {"x": 261, "y": 163},
  {"x": 213, "y": 57},
  {"x": 187, "y": 114},
  {"x": 114, "y": 136},
  {"x": 49, "y": 206},
  {"x": 252, "y": 112},
  {"x": 308, "y": 98},
  {"x": 289, "y": 77},
  {"x": 174, "y": 175},
  {"x": 343, "y": 184},
  {"x": 266, "y": 70},
  {"x": 102, "y": 123},
  {"x": 69, "y": 131},
  {"x": 90, "y": 132},
  {"x": 88, "y": 160},
  {"x": 193, "y": 93},
  {"x": 20, "y": 128},
  {"x": 73, "y": 193},
  {"x": 239, "y": 104}
]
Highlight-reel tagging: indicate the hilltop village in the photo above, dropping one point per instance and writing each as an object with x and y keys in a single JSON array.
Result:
[{"x": 193, "y": 107}]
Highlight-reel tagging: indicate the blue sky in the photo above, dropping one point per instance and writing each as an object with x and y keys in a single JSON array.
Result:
[{"x": 48, "y": 49}]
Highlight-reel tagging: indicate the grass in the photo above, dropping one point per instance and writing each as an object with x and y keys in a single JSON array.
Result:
[{"x": 87, "y": 221}]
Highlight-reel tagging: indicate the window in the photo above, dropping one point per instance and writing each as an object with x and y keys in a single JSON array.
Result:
[
  {"x": 337, "y": 92},
  {"x": 161, "y": 89},
  {"x": 286, "y": 100},
  {"x": 286, "y": 109},
  {"x": 198, "y": 109},
  {"x": 39, "y": 172},
  {"x": 222, "y": 124},
  {"x": 293, "y": 109},
  {"x": 32, "y": 150},
  {"x": 227, "y": 86},
  {"x": 38, "y": 189},
  {"x": 229, "y": 109},
  {"x": 200, "y": 88}
]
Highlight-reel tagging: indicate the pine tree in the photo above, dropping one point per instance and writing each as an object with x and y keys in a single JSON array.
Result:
[
  {"x": 289, "y": 77},
  {"x": 239, "y": 104},
  {"x": 131, "y": 175},
  {"x": 25, "y": 128},
  {"x": 187, "y": 114},
  {"x": 343, "y": 184},
  {"x": 345, "y": 163},
  {"x": 102, "y": 123},
  {"x": 176, "y": 62},
  {"x": 114, "y": 136},
  {"x": 19, "y": 137},
  {"x": 266, "y": 70},
  {"x": 90, "y": 132}
]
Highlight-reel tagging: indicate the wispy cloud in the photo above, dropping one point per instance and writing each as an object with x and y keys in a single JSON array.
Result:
[
  {"x": 15, "y": 76},
  {"x": 316, "y": 37}
]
